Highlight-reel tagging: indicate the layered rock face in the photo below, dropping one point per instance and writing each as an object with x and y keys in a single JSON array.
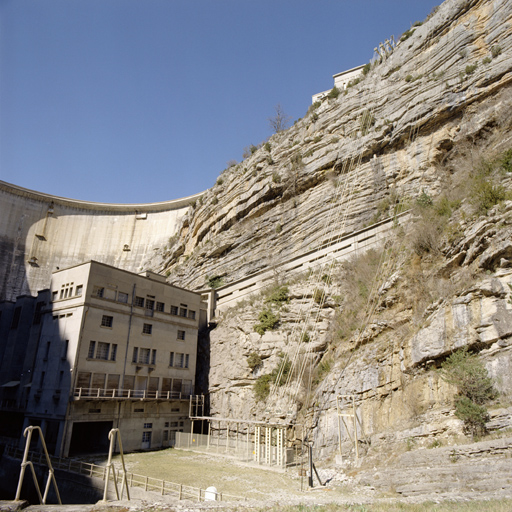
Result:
[
  {"x": 390, "y": 138},
  {"x": 384, "y": 137}
]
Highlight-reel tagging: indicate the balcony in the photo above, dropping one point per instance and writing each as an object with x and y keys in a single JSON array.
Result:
[{"x": 127, "y": 394}]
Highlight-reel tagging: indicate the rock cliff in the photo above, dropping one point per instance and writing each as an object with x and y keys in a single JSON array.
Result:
[{"x": 426, "y": 128}]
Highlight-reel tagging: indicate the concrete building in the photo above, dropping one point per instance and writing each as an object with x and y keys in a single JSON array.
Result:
[
  {"x": 341, "y": 80},
  {"x": 102, "y": 348}
]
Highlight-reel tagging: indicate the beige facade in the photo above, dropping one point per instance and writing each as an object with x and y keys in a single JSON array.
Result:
[{"x": 116, "y": 350}]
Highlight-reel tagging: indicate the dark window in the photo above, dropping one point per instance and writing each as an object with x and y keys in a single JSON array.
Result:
[
  {"x": 113, "y": 352},
  {"x": 78, "y": 291},
  {"x": 160, "y": 306},
  {"x": 135, "y": 353},
  {"x": 92, "y": 346},
  {"x": 192, "y": 314},
  {"x": 122, "y": 297},
  {"x": 16, "y": 318},
  {"x": 153, "y": 356},
  {"x": 181, "y": 335},
  {"x": 98, "y": 291},
  {"x": 183, "y": 312},
  {"x": 150, "y": 304},
  {"x": 38, "y": 313},
  {"x": 147, "y": 329},
  {"x": 107, "y": 321},
  {"x": 139, "y": 302},
  {"x": 174, "y": 310}
]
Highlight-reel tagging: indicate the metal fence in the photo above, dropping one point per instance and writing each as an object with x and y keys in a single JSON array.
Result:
[
  {"x": 238, "y": 447},
  {"x": 163, "y": 487}
]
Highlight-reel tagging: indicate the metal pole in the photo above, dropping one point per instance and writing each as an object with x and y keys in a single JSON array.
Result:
[{"x": 310, "y": 451}]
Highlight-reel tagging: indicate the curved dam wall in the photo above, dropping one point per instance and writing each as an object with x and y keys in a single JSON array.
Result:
[{"x": 40, "y": 233}]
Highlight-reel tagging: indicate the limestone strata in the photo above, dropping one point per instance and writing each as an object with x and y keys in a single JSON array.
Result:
[{"x": 328, "y": 174}]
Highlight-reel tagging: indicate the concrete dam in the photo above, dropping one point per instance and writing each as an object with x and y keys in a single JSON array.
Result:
[{"x": 40, "y": 233}]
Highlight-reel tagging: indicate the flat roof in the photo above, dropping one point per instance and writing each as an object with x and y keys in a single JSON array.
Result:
[
  {"x": 94, "y": 262},
  {"x": 349, "y": 70}
]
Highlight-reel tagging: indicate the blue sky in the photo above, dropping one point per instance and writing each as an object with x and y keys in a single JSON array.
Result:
[{"x": 137, "y": 101}]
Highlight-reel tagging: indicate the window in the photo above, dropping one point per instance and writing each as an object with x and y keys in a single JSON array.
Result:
[
  {"x": 174, "y": 310},
  {"x": 150, "y": 304},
  {"x": 102, "y": 351},
  {"x": 166, "y": 435},
  {"x": 179, "y": 361},
  {"x": 186, "y": 360},
  {"x": 94, "y": 411},
  {"x": 138, "y": 410},
  {"x": 135, "y": 354},
  {"x": 98, "y": 291},
  {"x": 107, "y": 321},
  {"x": 153, "y": 356},
  {"x": 144, "y": 355},
  {"x": 55, "y": 296},
  {"x": 148, "y": 425},
  {"x": 122, "y": 297},
  {"x": 174, "y": 424},
  {"x": 47, "y": 353},
  {"x": 146, "y": 437},
  {"x": 16, "y": 318},
  {"x": 139, "y": 302},
  {"x": 171, "y": 360},
  {"x": 166, "y": 424},
  {"x": 65, "y": 350},
  {"x": 38, "y": 313},
  {"x": 78, "y": 290},
  {"x": 192, "y": 314},
  {"x": 147, "y": 329},
  {"x": 183, "y": 312},
  {"x": 181, "y": 335},
  {"x": 160, "y": 306}
]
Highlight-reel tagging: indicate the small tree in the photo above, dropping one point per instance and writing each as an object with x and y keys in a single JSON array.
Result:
[
  {"x": 280, "y": 120},
  {"x": 474, "y": 386}
]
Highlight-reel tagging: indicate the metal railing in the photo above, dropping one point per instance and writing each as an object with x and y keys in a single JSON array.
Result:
[
  {"x": 163, "y": 487},
  {"x": 28, "y": 463},
  {"x": 117, "y": 394}
]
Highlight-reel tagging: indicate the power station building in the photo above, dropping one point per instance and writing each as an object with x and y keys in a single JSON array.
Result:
[{"x": 102, "y": 348}]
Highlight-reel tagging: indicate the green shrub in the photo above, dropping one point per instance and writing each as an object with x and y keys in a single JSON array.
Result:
[
  {"x": 485, "y": 194},
  {"x": 496, "y": 51},
  {"x": 505, "y": 161},
  {"x": 215, "y": 200},
  {"x": 253, "y": 360},
  {"x": 487, "y": 60},
  {"x": 219, "y": 181},
  {"x": 367, "y": 68},
  {"x": 333, "y": 93},
  {"x": 470, "y": 69},
  {"x": 267, "y": 321},
  {"x": 278, "y": 228},
  {"x": 409, "y": 78},
  {"x": 406, "y": 35},
  {"x": 475, "y": 388},
  {"x": 214, "y": 281},
  {"x": 276, "y": 178},
  {"x": 314, "y": 117},
  {"x": 278, "y": 295},
  {"x": 319, "y": 296},
  {"x": 267, "y": 147},
  {"x": 305, "y": 338},
  {"x": 262, "y": 387},
  {"x": 424, "y": 200}
]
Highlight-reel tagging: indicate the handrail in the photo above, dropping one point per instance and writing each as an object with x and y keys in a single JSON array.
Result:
[
  {"x": 120, "y": 394},
  {"x": 25, "y": 462},
  {"x": 110, "y": 466},
  {"x": 133, "y": 480}
]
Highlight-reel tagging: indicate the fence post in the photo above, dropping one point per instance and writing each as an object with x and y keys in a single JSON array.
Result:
[
  {"x": 199, "y": 495},
  {"x": 180, "y": 492}
]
